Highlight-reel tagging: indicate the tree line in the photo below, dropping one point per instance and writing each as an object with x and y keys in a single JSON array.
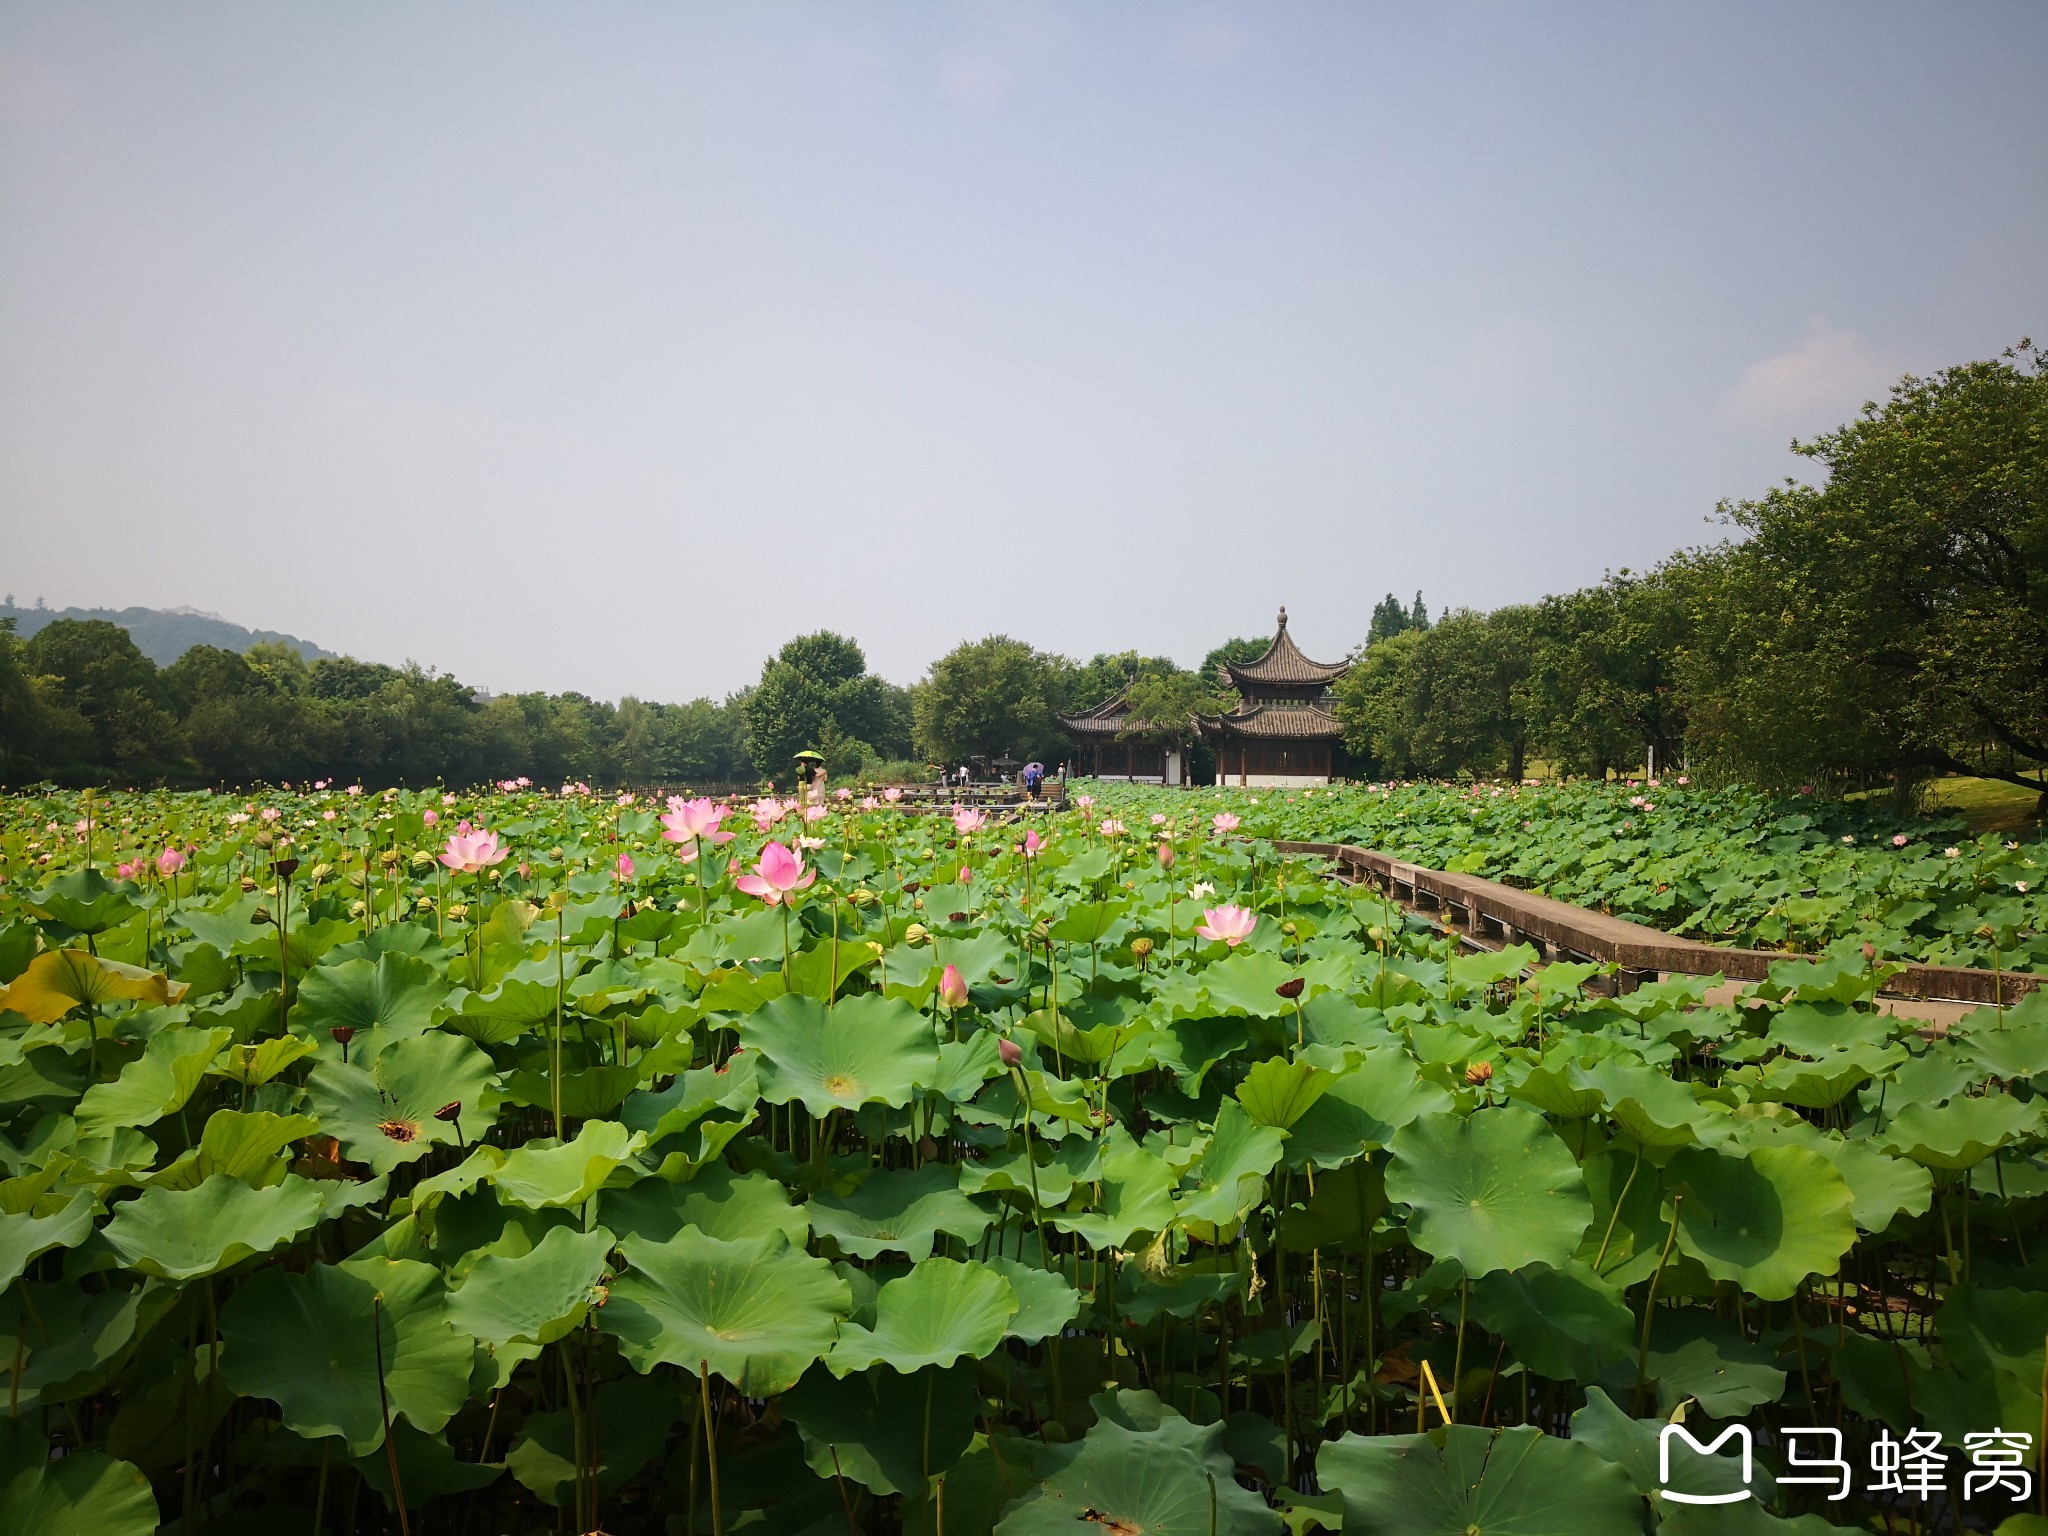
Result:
[{"x": 1886, "y": 624}]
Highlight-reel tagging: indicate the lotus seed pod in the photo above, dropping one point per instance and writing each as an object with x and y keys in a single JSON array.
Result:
[{"x": 1141, "y": 947}]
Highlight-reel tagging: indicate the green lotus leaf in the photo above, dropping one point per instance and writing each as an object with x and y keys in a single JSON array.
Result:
[
  {"x": 25, "y": 1237},
  {"x": 899, "y": 1211},
  {"x": 1279, "y": 1092},
  {"x": 82, "y": 1493},
  {"x": 183, "y": 1234},
  {"x": 427, "y": 1466},
  {"x": 1230, "y": 1177},
  {"x": 534, "y": 1297},
  {"x": 1766, "y": 1221},
  {"x": 155, "y": 1084},
  {"x": 257, "y": 1063},
  {"x": 1462, "y": 1479},
  {"x": 1633, "y": 1445},
  {"x": 2012, "y": 1053},
  {"x": 868, "y": 1050},
  {"x": 1696, "y": 1354},
  {"x": 539, "y": 1175},
  {"x": 1341, "y": 1212},
  {"x": 1136, "y": 1196},
  {"x": 1059, "y": 1166},
  {"x": 1963, "y": 1132},
  {"x": 84, "y": 901},
  {"x": 1045, "y": 1302},
  {"x": 1247, "y": 983},
  {"x": 1881, "y": 1187},
  {"x": 1362, "y": 1109},
  {"x": 634, "y": 1416},
  {"x": 1628, "y": 1229},
  {"x": 393, "y": 996},
  {"x": 1647, "y": 1106},
  {"x": 1087, "y": 922},
  {"x": 964, "y": 1065},
  {"x": 516, "y": 1006},
  {"x": 757, "y": 1313},
  {"x": 244, "y": 1146},
  {"x": 65, "y": 1334},
  {"x": 1991, "y": 1367},
  {"x": 1567, "y": 1324},
  {"x": 885, "y": 1430},
  {"x": 388, "y": 1114},
  {"x": 937, "y": 1313},
  {"x": 693, "y": 1095},
  {"x": 1142, "y": 1470},
  {"x": 311, "y": 1342},
  {"x": 1496, "y": 1190},
  {"x": 717, "y": 1202}
]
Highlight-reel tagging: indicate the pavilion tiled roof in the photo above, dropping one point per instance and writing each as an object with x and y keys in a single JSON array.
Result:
[
  {"x": 1302, "y": 722},
  {"x": 1108, "y": 718},
  {"x": 1283, "y": 665}
]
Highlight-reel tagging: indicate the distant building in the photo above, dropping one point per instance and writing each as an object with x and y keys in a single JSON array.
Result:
[
  {"x": 1100, "y": 753},
  {"x": 1282, "y": 733}
]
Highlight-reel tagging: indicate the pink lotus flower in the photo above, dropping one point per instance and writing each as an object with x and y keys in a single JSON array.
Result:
[
  {"x": 1232, "y": 924},
  {"x": 327, "y": 815},
  {"x": 814, "y": 814},
  {"x": 842, "y": 794},
  {"x": 525, "y": 870},
  {"x": 767, "y": 812},
  {"x": 270, "y": 813},
  {"x": 966, "y": 875},
  {"x": 1224, "y": 822},
  {"x": 1166, "y": 855},
  {"x": 1111, "y": 827},
  {"x": 952, "y": 988},
  {"x": 812, "y": 843},
  {"x": 1085, "y": 802},
  {"x": 779, "y": 873},
  {"x": 126, "y": 871},
  {"x": 690, "y": 821},
  {"x": 447, "y": 799},
  {"x": 1031, "y": 844},
  {"x": 467, "y": 852},
  {"x": 1011, "y": 1052},
  {"x": 1158, "y": 820},
  {"x": 892, "y": 794},
  {"x": 869, "y": 803},
  {"x": 355, "y": 789},
  {"x": 169, "y": 862},
  {"x": 625, "y": 866},
  {"x": 967, "y": 820},
  {"x": 430, "y": 816},
  {"x": 1898, "y": 839}
]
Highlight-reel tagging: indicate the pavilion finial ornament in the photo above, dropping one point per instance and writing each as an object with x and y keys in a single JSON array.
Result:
[{"x": 1283, "y": 618}]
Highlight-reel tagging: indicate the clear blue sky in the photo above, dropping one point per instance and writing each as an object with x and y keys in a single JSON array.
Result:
[{"x": 605, "y": 346}]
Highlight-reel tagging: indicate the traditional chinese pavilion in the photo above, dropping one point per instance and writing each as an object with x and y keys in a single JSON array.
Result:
[
  {"x": 1100, "y": 754},
  {"x": 1282, "y": 733}
]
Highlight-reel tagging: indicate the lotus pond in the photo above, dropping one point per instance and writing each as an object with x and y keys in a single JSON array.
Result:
[
  {"x": 515, "y": 1163},
  {"x": 1726, "y": 865}
]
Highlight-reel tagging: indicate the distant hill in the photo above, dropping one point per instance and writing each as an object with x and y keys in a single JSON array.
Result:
[{"x": 163, "y": 634}]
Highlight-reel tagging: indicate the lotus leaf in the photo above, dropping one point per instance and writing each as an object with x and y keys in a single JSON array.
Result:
[
  {"x": 387, "y": 999},
  {"x": 887, "y": 1431},
  {"x": 1362, "y": 1109},
  {"x": 388, "y": 1114},
  {"x": 85, "y": 901},
  {"x": 153, "y": 1085},
  {"x": 81, "y": 1494},
  {"x": 1494, "y": 1191},
  {"x": 935, "y": 1314},
  {"x": 311, "y": 1343},
  {"x": 1230, "y": 1178},
  {"x": 1963, "y": 1132},
  {"x": 1136, "y": 1196},
  {"x": 1567, "y": 1324},
  {"x": 1279, "y": 1092},
  {"x": 25, "y": 1237},
  {"x": 1167, "y": 1478},
  {"x": 717, "y": 1202},
  {"x": 900, "y": 1211},
  {"x": 533, "y": 1297},
  {"x": 757, "y": 1313},
  {"x": 60, "y": 980},
  {"x": 1695, "y": 1354},
  {"x": 538, "y": 1175},
  {"x": 1463, "y": 1479},
  {"x": 1767, "y": 1220},
  {"x": 867, "y": 1050},
  {"x": 183, "y": 1234},
  {"x": 1045, "y": 1302},
  {"x": 633, "y": 1418}
]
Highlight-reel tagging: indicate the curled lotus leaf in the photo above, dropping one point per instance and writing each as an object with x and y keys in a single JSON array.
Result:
[
  {"x": 84, "y": 1493},
  {"x": 898, "y": 1211},
  {"x": 390, "y": 998},
  {"x": 1568, "y": 1324},
  {"x": 184, "y": 1234},
  {"x": 26, "y": 1237},
  {"x": 1229, "y": 1179},
  {"x": 718, "y": 1202},
  {"x": 85, "y": 901},
  {"x": 1495, "y": 1190},
  {"x": 538, "y": 1175},
  {"x": 60, "y": 980},
  {"x": 1963, "y": 1132},
  {"x": 934, "y": 1315},
  {"x": 757, "y": 1313},
  {"x": 1137, "y": 1196},
  {"x": 155, "y": 1084},
  {"x": 311, "y": 1343},
  {"x": 534, "y": 1297}
]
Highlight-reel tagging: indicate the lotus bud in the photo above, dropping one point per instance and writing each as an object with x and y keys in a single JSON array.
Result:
[
  {"x": 388, "y": 857},
  {"x": 916, "y": 934},
  {"x": 248, "y": 885},
  {"x": 1869, "y": 951},
  {"x": 952, "y": 988},
  {"x": 459, "y": 910},
  {"x": 1141, "y": 947},
  {"x": 1479, "y": 1074},
  {"x": 357, "y": 908},
  {"x": 1166, "y": 855},
  {"x": 1290, "y": 930},
  {"x": 1290, "y": 988},
  {"x": 1011, "y": 1052},
  {"x": 918, "y": 904},
  {"x": 264, "y": 839},
  {"x": 321, "y": 872},
  {"x": 261, "y": 916}
]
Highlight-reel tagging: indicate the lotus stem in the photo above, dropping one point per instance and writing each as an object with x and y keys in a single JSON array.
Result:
[
  {"x": 384, "y": 1410},
  {"x": 710, "y": 1444}
]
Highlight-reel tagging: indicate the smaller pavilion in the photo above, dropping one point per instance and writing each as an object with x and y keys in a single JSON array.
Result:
[
  {"x": 1281, "y": 734},
  {"x": 1101, "y": 751}
]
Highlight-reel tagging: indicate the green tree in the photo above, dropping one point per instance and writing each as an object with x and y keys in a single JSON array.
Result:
[
  {"x": 1389, "y": 618},
  {"x": 1893, "y": 621},
  {"x": 817, "y": 694},
  {"x": 988, "y": 698},
  {"x": 1603, "y": 682},
  {"x": 1237, "y": 652},
  {"x": 106, "y": 700}
]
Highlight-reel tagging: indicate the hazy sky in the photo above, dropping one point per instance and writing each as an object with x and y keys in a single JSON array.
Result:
[{"x": 606, "y": 346}]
